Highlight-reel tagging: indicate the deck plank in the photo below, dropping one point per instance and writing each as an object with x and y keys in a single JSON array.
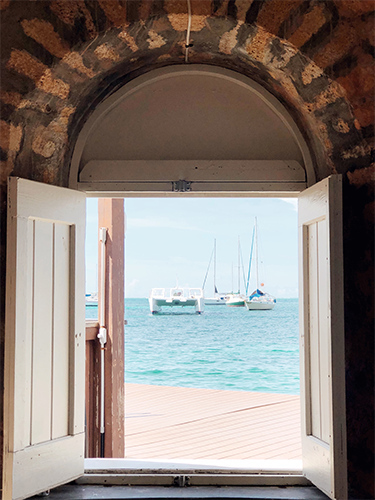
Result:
[{"x": 175, "y": 422}]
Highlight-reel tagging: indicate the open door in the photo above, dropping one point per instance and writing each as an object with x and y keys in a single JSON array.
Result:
[
  {"x": 322, "y": 337},
  {"x": 44, "y": 338}
]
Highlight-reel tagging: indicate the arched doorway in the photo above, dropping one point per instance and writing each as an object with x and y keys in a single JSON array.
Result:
[
  {"x": 283, "y": 169},
  {"x": 204, "y": 131}
]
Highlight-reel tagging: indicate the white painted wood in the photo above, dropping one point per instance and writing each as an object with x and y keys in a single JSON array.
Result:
[
  {"x": 77, "y": 326},
  {"x": 60, "y": 350},
  {"x": 313, "y": 337},
  {"x": 324, "y": 345},
  {"x": 198, "y": 189},
  {"x": 322, "y": 337},
  {"x": 193, "y": 170},
  {"x": 38, "y": 468},
  {"x": 150, "y": 466},
  {"x": 41, "y": 222},
  {"x": 274, "y": 176},
  {"x": 41, "y": 374},
  {"x": 23, "y": 282}
]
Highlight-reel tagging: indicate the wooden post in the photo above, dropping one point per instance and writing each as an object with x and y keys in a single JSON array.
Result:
[
  {"x": 111, "y": 217},
  {"x": 92, "y": 389}
]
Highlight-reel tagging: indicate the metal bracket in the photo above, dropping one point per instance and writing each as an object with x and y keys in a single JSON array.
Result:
[
  {"x": 181, "y": 481},
  {"x": 181, "y": 186}
]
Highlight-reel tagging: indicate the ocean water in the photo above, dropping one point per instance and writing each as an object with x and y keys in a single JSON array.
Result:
[{"x": 223, "y": 348}]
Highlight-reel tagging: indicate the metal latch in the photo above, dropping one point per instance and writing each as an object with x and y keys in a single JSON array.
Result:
[
  {"x": 181, "y": 481},
  {"x": 181, "y": 186}
]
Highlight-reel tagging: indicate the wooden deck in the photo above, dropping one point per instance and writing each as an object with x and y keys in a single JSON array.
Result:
[{"x": 175, "y": 422}]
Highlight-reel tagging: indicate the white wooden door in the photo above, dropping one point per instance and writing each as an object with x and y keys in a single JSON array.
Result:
[
  {"x": 44, "y": 338},
  {"x": 322, "y": 337}
]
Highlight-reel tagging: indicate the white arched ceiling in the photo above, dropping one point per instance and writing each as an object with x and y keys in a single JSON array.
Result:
[{"x": 213, "y": 128}]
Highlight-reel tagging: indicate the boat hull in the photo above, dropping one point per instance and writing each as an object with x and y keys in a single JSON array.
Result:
[
  {"x": 238, "y": 303},
  {"x": 176, "y": 298},
  {"x": 235, "y": 300},
  {"x": 259, "y": 306},
  {"x": 214, "y": 302}
]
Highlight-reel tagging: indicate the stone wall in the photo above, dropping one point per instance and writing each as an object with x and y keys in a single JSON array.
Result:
[{"x": 60, "y": 58}]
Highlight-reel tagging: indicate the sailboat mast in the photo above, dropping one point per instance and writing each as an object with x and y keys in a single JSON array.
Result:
[
  {"x": 214, "y": 267},
  {"x": 239, "y": 266},
  {"x": 256, "y": 249}
]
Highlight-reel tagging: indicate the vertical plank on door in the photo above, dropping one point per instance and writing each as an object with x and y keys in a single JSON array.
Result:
[
  {"x": 314, "y": 331},
  {"x": 42, "y": 332},
  {"x": 60, "y": 356},
  {"x": 324, "y": 330},
  {"x": 23, "y": 342}
]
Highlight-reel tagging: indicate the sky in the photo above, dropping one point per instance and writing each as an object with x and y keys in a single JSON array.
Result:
[{"x": 170, "y": 241}]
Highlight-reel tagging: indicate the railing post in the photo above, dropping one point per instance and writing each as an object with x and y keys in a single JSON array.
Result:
[{"x": 92, "y": 389}]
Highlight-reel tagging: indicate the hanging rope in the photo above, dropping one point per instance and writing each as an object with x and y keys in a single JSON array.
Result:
[{"x": 187, "y": 43}]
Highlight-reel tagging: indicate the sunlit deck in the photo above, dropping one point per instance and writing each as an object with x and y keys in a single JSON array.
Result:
[{"x": 175, "y": 422}]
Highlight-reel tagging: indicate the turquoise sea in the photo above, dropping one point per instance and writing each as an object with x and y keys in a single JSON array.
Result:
[{"x": 223, "y": 348}]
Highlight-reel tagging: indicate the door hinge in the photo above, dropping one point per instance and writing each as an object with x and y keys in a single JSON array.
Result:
[
  {"x": 181, "y": 481},
  {"x": 181, "y": 186}
]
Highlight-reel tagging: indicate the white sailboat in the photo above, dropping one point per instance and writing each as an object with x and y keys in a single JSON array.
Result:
[
  {"x": 236, "y": 299},
  {"x": 92, "y": 299},
  {"x": 258, "y": 300},
  {"x": 218, "y": 299}
]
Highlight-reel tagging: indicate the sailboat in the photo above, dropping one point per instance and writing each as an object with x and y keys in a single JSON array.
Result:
[
  {"x": 258, "y": 300},
  {"x": 237, "y": 299},
  {"x": 218, "y": 299}
]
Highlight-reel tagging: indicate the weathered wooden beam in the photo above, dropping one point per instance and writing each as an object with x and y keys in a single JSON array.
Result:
[
  {"x": 92, "y": 329},
  {"x": 205, "y": 177},
  {"x": 92, "y": 447},
  {"x": 111, "y": 217}
]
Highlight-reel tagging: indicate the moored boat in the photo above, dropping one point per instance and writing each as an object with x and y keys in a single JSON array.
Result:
[
  {"x": 218, "y": 298},
  {"x": 235, "y": 300},
  {"x": 176, "y": 297},
  {"x": 258, "y": 300},
  {"x": 91, "y": 299}
]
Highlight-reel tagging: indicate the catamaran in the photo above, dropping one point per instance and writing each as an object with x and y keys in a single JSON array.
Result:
[
  {"x": 258, "y": 300},
  {"x": 176, "y": 297}
]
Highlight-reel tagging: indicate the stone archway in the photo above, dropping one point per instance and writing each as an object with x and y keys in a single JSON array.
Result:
[{"x": 46, "y": 122}]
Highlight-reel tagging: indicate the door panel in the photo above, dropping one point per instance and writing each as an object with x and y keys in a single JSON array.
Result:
[
  {"x": 60, "y": 362},
  {"x": 44, "y": 339},
  {"x": 322, "y": 337}
]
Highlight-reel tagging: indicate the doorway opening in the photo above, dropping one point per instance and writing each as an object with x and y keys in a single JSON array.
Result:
[
  {"x": 221, "y": 134},
  {"x": 221, "y": 387}
]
